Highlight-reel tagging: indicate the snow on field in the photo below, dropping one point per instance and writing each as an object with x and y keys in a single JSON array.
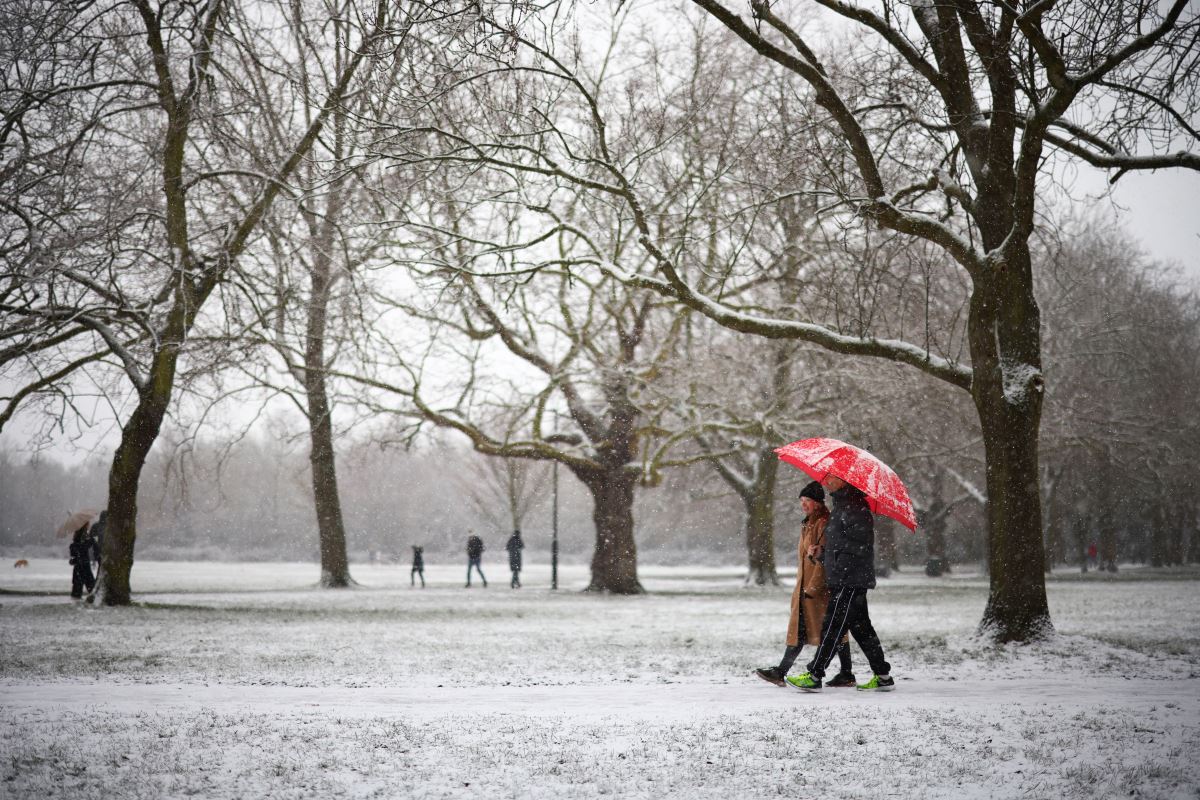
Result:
[{"x": 242, "y": 680}]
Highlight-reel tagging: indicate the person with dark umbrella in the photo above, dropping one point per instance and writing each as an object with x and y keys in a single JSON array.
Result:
[
  {"x": 80, "y": 553},
  {"x": 849, "y": 559},
  {"x": 514, "y": 547}
]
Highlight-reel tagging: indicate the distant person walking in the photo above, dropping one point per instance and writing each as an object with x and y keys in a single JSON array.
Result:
[
  {"x": 514, "y": 547},
  {"x": 849, "y": 560},
  {"x": 475, "y": 558},
  {"x": 418, "y": 566},
  {"x": 811, "y": 596},
  {"x": 80, "y": 554},
  {"x": 1108, "y": 553}
]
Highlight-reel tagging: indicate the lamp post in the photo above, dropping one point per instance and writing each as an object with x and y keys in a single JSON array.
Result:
[{"x": 554, "y": 518}]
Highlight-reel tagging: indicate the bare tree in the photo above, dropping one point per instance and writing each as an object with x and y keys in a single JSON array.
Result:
[
  {"x": 935, "y": 124},
  {"x": 185, "y": 108},
  {"x": 589, "y": 342},
  {"x": 1116, "y": 446},
  {"x": 503, "y": 490}
]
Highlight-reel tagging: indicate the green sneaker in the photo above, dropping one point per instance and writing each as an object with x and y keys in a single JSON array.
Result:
[
  {"x": 806, "y": 682},
  {"x": 878, "y": 683}
]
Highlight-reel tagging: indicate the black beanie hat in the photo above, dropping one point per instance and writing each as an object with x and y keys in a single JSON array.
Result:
[{"x": 814, "y": 491}]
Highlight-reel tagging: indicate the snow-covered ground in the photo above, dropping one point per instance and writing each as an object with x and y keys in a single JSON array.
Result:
[{"x": 242, "y": 680}]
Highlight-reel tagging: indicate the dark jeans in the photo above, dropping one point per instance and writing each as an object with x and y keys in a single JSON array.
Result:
[
  {"x": 81, "y": 577},
  {"x": 475, "y": 562},
  {"x": 847, "y": 611},
  {"x": 793, "y": 651},
  {"x": 516, "y": 579},
  {"x": 412, "y": 581}
]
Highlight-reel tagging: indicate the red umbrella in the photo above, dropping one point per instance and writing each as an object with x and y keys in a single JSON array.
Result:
[{"x": 885, "y": 491}]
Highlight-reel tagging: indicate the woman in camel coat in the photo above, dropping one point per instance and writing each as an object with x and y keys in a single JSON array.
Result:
[{"x": 810, "y": 596}]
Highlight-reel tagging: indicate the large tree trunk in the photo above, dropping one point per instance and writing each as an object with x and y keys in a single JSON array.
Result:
[
  {"x": 335, "y": 567},
  {"x": 760, "y": 521},
  {"x": 614, "y": 562},
  {"x": 120, "y": 533},
  {"x": 1005, "y": 340},
  {"x": 138, "y": 435}
]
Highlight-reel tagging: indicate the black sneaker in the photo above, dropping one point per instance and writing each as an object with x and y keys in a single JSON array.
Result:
[
  {"x": 842, "y": 679},
  {"x": 770, "y": 675}
]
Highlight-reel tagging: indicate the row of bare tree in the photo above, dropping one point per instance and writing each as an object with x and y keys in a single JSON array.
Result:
[{"x": 623, "y": 239}]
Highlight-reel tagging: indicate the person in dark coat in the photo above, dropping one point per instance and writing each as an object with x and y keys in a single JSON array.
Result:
[
  {"x": 514, "y": 548},
  {"x": 849, "y": 573},
  {"x": 97, "y": 536},
  {"x": 418, "y": 566},
  {"x": 80, "y": 552},
  {"x": 475, "y": 558},
  {"x": 810, "y": 597}
]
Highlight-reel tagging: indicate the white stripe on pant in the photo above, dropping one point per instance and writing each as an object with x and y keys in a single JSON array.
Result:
[{"x": 824, "y": 653}]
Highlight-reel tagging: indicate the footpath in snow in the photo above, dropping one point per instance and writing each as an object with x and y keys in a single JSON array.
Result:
[{"x": 664, "y": 702}]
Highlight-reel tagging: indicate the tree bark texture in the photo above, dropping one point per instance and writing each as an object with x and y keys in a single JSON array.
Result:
[
  {"x": 1005, "y": 340},
  {"x": 138, "y": 435},
  {"x": 331, "y": 530},
  {"x": 614, "y": 561},
  {"x": 760, "y": 522}
]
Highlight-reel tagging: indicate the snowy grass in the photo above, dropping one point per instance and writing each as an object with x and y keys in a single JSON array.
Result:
[{"x": 236, "y": 680}]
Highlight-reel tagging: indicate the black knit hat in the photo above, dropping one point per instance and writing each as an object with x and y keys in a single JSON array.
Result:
[{"x": 814, "y": 491}]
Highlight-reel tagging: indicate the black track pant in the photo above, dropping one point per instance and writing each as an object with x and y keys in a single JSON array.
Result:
[
  {"x": 82, "y": 577},
  {"x": 847, "y": 611},
  {"x": 793, "y": 650}
]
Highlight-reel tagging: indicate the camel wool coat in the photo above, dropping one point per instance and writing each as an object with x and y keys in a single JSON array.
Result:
[{"x": 810, "y": 596}]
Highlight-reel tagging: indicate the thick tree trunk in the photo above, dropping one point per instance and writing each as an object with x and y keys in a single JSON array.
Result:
[
  {"x": 120, "y": 533},
  {"x": 1082, "y": 536},
  {"x": 331, "y": 530},
  {"x": 760, "y": 522},
  {"x": 1005, "y": 340},
  {"x": 335, "y": 568},
  {"x": 138, "y": 435},
  {"x": 1056, "y": 540},
  {"x": 614, "y": 562},
  {"x": 889, "y": 558},
  {"x": 935, "y": 546}
]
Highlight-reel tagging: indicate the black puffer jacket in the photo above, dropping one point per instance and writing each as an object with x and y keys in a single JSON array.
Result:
[{"x": 850, "y": 541}]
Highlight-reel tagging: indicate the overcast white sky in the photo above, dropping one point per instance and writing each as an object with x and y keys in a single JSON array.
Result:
[{"x": 1161, "y": 209}]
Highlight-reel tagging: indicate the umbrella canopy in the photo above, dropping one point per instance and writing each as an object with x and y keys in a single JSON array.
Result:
[
  {"x": 76, "y": 520},
  {"x": 885, "y": 491}
]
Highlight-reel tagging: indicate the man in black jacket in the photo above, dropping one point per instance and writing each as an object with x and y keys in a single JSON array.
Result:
[
  {"x": 475, "y": 558},
  {"x": 849, "y": 573}
]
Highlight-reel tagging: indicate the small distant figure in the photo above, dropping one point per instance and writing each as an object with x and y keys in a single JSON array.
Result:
[
  {"x": 80, "y": 552},
  {"x": 97, "y": 536},
  {"x": 514, "y": 548},
  {"x": 1091, "y": 555},
  {"x": 1108, "y": 554},
  {"x": 418, "y": 567},
  {"x": 20, "y": 562},
  {"x": 475, "y": 558}
]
